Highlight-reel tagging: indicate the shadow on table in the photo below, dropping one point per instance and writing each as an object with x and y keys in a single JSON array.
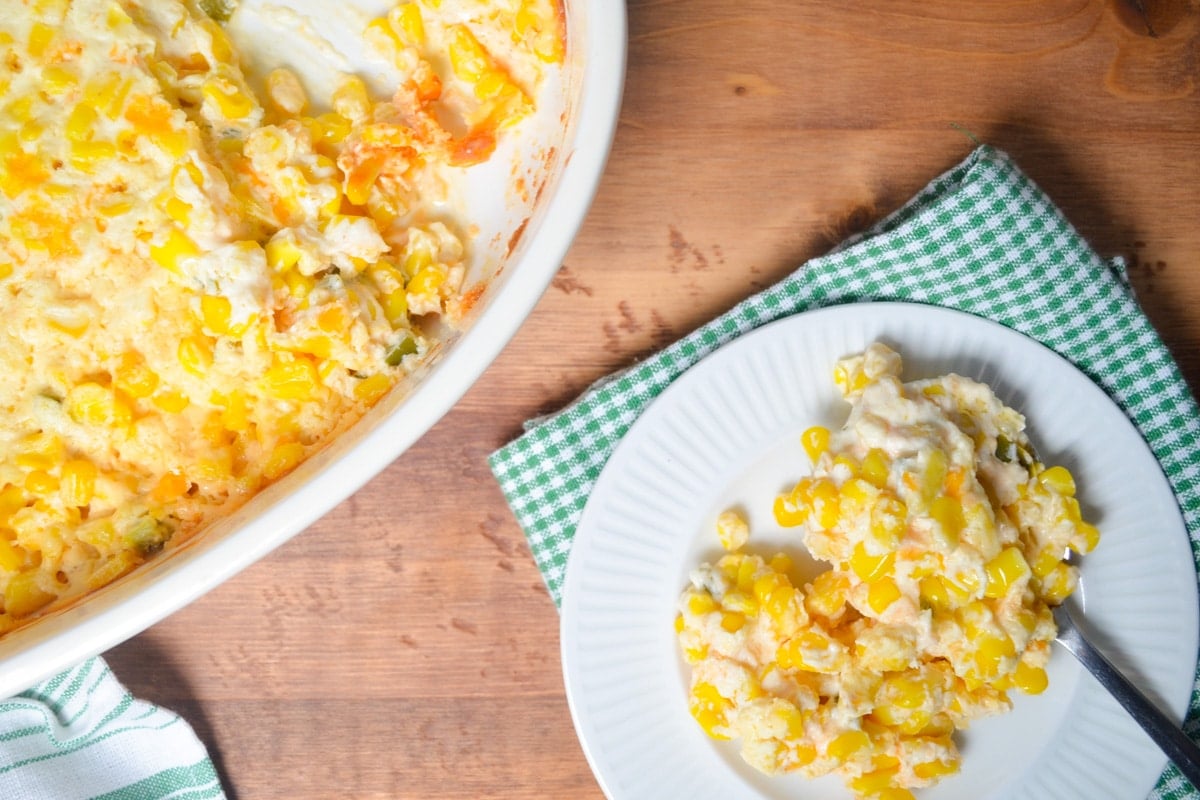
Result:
[{"x": 147, "y": 671}]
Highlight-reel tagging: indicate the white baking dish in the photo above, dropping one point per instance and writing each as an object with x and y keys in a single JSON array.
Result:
[{"x": 523, "y": 236}]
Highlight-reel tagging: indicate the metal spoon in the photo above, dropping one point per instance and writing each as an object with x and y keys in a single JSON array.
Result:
[{"x": 1165, "y": 733}]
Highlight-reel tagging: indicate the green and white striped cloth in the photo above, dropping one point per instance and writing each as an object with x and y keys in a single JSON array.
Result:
[
  {"x": 981, "y": 238},
  {"x": 82, "y": 736}
]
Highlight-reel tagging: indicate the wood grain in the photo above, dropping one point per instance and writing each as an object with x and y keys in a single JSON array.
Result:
[{"x": 404, "y": 646}]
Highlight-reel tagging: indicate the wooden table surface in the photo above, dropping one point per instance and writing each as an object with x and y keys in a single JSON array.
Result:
[{"x": 405, "y": 646}]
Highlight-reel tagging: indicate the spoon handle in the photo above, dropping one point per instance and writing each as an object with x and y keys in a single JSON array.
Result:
[{"x": 1166, "y": 734}]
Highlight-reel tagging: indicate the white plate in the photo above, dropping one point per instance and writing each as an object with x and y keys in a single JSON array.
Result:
[
  {"x": 559, "y": 153},
  {"x": 727, "y": 433}
]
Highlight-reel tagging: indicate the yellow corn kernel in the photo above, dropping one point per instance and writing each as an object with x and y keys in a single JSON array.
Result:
[
  {"x": 81, "y": 123},
  {"x": 361, "y": 177},
  {"x": 906, "y": 691},
  {"x": 90, "y": 403},
  {"x": 86, "y": 156},
  {"x": 117, "y": 18},
  {"x": 948, "y": 514},
  {"x": 120, "y": 564},
  {"x": 234, "y": 415},
  {"x": 106, "y": 94},
  {"x": 380, "y": 33},
  {"x": 42, "y": 450},
  {"x": 791, "y": 716},
  {"x": 12, "y": 499},
  {"x": 332, "y": 319},
  {"x": 170, "y": 486},
  {"x": 876, "y": 781},
  {"x": 372, "y": 388},
  {"x": 746, "y": 572},
  {"x": 962, "y": 586},
  {"x": 844, "y": 746},
  {"x": 58, "y": 79},
  {"x": 177, "y": 210},
  {"x": 468, "y": 58},
  {"x": 1090, "y": 536},
  {"x": 709, "y": 708},
  {"x": 732, "y": 530},
  {"x": 889, "y": 521},
  {"x": 893, "y": 793},
  {"x": 416, "y": 260},
  {"x": 406, "y": 21},
  {"x": 55, "y": 10},
  {"x": 787, "y": 513},
  {"x": 41, "y": 483},
  {"x": 24, "y": 595},
  {"x": 319, "y": 346},
  {"x": 733, "y": 621},
  {"x": 815, "y": 441},
  {"x": 934, "y": 593},
  {"x": 78, "y": 485},
  {"x": 1030, "y": 679},
  {"x": 1058, "y": 479},
  {"x": 932, "y": 770},
  {"x": 784, "y": 607},
  {"x": 849, "y": 381},
  {"x": 350, "y": 99},
  {"x": 285, "y": 91},
  {"x": 881, "y": 594},
  {"x": 1046, "y": 561},
  {"x": 40, "y": 37},
  {"x": 870, "y": 567},
  {"x": 875, "y": 467},
  {"x": 174, "y": 248},
  {"x": 292, "y": 380},
  {"x": 195, "y": 353},
  {"x": 395, "y": 307},
  {"x": 990, "y": 651},
  {"x": 329, "y": 129},
  {"x": 856, "y": 494},
  {"x": 134, "y": 377},
  {"x": 31, "y": 131},
  {"x": 812, "y": 651},
  {"x": 11, "y": 556},
  {"x": 742, "y": 602},
  {"x": 283, "y": 253},
  {"x": 216, "y": 311},
  {"x": 283, "y": 459},
  {"x": 1058, "y": 584},
  {"x": 227, "y": 98},
  {"x": 222, "y": 50},
  {"x": 827, "y": 594},
  {"x": 1071, "y": 505},
  {"x": 1003, "y": 571},
  {"x": 825, "y": 503},
  {"x": 934, "y": 474},
  {"x": 5, "y": 270},
  {"x": 701, "y": 603},
  {"x": 540, "y": 27},
  {"x": 171, "y": 401}
]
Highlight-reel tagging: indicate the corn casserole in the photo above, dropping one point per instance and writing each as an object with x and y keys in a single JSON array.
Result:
[
  {"x": 947, "y": 543},
  {"x": 204, "y": 274}
]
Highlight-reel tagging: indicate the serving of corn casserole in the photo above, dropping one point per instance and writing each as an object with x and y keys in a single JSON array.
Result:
[
  {"x": 946, "y": 541},
  {"x": 205, "y": 275}
]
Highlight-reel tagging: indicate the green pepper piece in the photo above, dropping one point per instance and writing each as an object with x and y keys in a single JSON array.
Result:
[
  {"x": 218, "y": 10},
  {"x": 148, "y": 535},
  {"x": 406, "y": 347}
]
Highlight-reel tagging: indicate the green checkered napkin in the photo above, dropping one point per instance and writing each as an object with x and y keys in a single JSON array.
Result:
[
  {"x": 981, "y": 238},
  {"x": 81, "y": 736}
]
